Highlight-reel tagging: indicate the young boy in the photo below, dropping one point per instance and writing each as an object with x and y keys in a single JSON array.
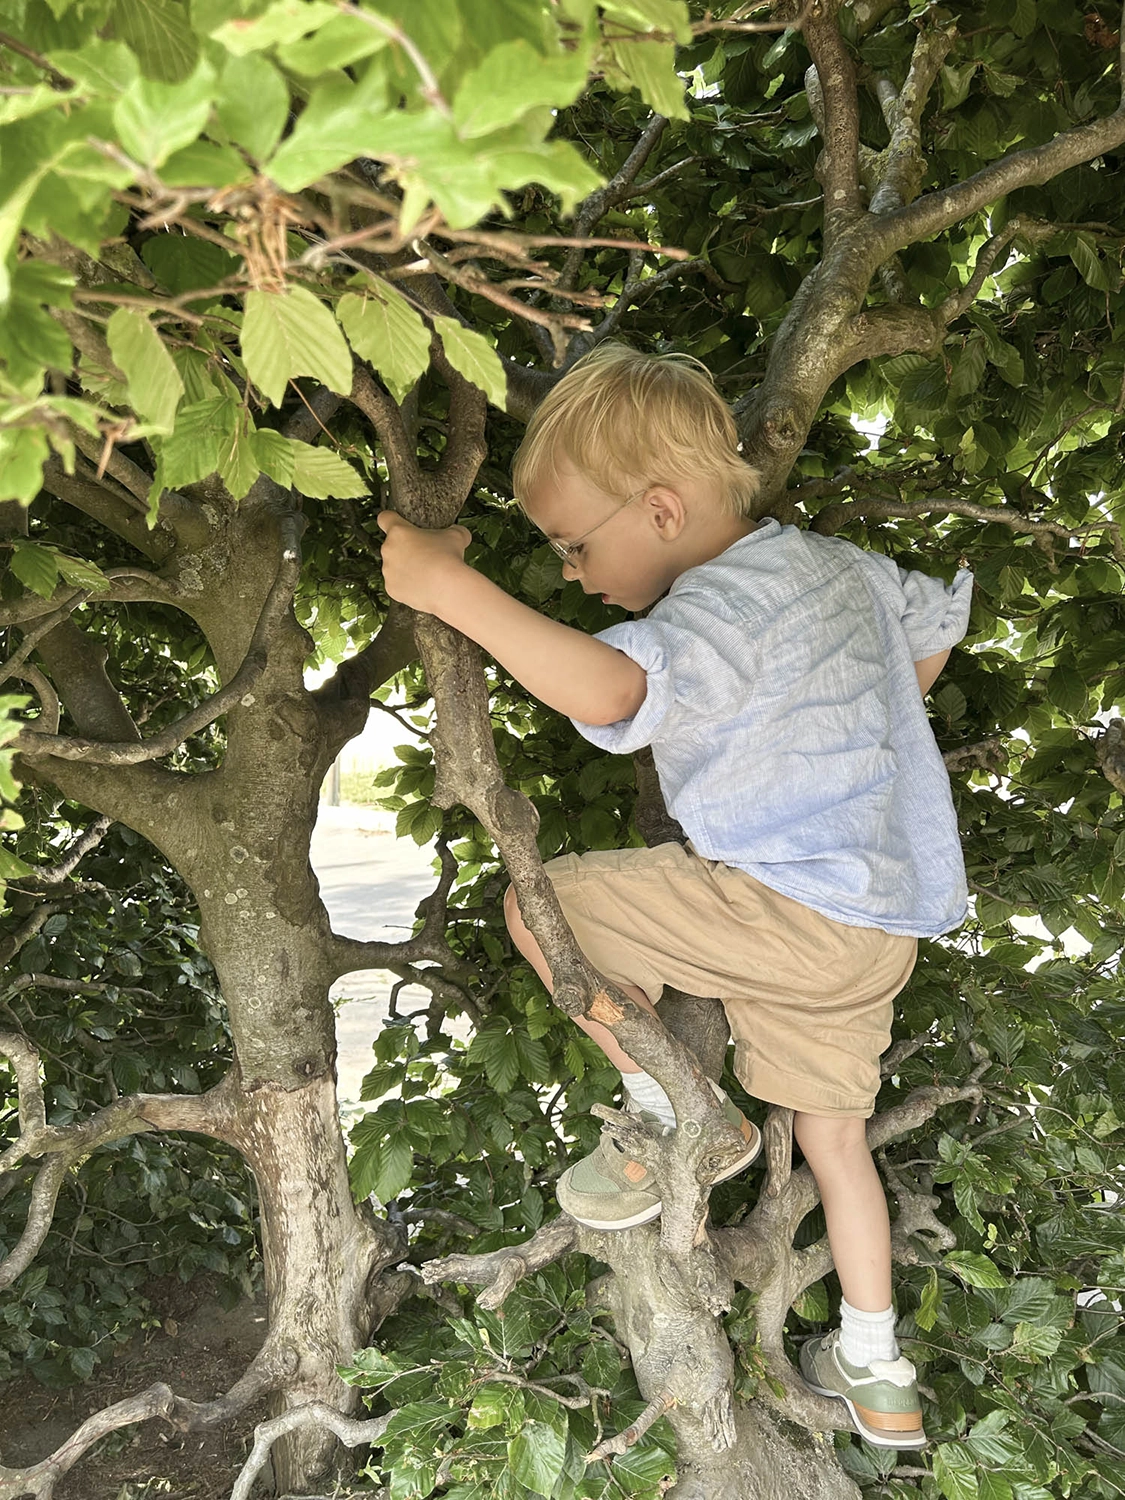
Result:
[{"x": 779, "y": 681}]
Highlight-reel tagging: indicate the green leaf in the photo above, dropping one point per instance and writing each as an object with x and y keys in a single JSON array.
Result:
[
  {"x": 1009, "y": 363},
  {"x": 203, "y": 164},
  {"x": 284, "y": 21},
  {"x": 490, "y": 1407},
  {"x": 495, "y": 1048},
  {"x": 536, "y": 1455},
  {"x": 183, "y": 263},
  {"x": 974, "y": 1269},
  {"x": 651, "y": 67},
  {"x": 343, "y": 40},
  {"x": 472, "y": 356},
  {"x": 82, "y": 574},
  {"x": 291, "y": 333},
  {"x": 969, "y": 367},
  {"x": 160, "y": 34},
  {"x": 955, "y": 1470},
  {"x": 341, "y": 121},
  {"x": 385, "y": 330},
  {"x": 512, "y": 80},
  {"x": 238, "y": 464},
  {"x": 276, "y": 455},
  {"x": 155, "y": 119},
  {"x": 155, "y": 387},
  {"x": 1067, "y": 692},
  {"x": 930, "y": 1306},
  {"x": 11, "y": 866},
  {"x": 812, "y": 1304},
  {"x": 649, "y": 1467},
  {"x": 542, "y": 576},
  {"x": 320, "y": 474},
  {"x": 382, "y": 1167},
  {"x": 100, "y": 67},
  {"x": 36, "y": 567},
  {"x": 1084, "y": 254},
  {"x": 993, "y": 1486},
  {"x": 203, "y": 430},
  {"x": 651, "y": 15},
  {"x": 23, "y": 452},
  {"x": 253, "y": 104}
]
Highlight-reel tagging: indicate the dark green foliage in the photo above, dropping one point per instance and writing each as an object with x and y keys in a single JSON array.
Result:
[
  {"x": 477, "y": 1405},
  {"x": 150, "y": 1021}
]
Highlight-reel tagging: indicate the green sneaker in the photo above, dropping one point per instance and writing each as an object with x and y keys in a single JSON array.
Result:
[
  {"x": 882, "y": 1396},
  {"x": 749, "y": 1132},
  {"x": 610, "y": 1190}
]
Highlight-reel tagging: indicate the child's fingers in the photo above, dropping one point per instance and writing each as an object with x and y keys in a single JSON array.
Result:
[{"x": 386, "y": 519}]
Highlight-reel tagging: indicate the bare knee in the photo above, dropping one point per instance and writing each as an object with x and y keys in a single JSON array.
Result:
[{"x": 830, "y": 1140}]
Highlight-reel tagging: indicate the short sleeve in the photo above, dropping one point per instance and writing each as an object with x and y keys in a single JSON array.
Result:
[
  {"x": 694, "y": 675},
  {"x": 935, "y": 615}
]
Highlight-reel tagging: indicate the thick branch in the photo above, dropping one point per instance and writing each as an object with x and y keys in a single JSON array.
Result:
[
  {"x": 76, "y": 665},
  {"x": 829, "y": 520},
  {"x": 39, "y": 1479},
  {"x": 831, "y": 89},
  {"x": 390, "y": 429},
  {"x": 501, "y": 1270},
  {"x": 126, "y": 586},
  {"x": 936, "y": 211},
  {"x": 106, "y": 502},
  {"x": 465, "y": 446},
  {"x": 901, "y": 166},
  {"x": 35, "y": 633},
  {"x": 101, "y": 752}
]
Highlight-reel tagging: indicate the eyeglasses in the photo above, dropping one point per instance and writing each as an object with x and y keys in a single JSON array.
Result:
[{"x": 567, "y": 551}]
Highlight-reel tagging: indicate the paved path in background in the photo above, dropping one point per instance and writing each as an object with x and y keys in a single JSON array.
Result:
[{"x": 371, "y": 883}]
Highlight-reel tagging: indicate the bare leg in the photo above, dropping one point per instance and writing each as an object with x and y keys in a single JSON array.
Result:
[
  {"x": 855, "y": 1207},
  {"x": 534, "y": 955}
]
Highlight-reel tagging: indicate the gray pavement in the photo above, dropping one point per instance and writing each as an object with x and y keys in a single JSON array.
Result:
[{"x": 371, "y": 883}]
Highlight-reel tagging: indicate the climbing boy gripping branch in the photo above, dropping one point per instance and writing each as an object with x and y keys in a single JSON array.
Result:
[{"x": 778, "y": 678}]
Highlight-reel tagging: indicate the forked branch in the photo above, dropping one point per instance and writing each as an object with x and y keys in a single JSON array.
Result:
[{"x": 131, "y": 753}]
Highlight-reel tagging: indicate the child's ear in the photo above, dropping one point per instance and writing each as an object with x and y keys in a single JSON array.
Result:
[{"x": 666, "y": 510}]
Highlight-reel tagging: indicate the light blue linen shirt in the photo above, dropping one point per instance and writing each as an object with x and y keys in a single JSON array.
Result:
[{"x": 788, "y": 732}]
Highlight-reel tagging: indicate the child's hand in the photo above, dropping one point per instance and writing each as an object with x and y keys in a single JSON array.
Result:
[{"x": 415, "y": 560}]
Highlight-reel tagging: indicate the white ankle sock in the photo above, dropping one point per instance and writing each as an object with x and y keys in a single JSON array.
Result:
[
  {"x": 648, "y": 1095},
  {"x": 865, "y": 1336}
]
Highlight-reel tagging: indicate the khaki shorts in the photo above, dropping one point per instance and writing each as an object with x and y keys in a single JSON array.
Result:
[{"x": 809, "y": 1000}]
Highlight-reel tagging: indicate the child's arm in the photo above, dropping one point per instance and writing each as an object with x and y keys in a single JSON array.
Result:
[
  {"x": 564, "y": 668},
  {"x": 929, "y": 669}
]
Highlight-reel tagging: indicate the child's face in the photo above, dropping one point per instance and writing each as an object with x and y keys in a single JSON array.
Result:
[{"x": 618, "y": 548}]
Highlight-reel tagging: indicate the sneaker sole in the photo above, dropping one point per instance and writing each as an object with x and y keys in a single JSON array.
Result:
[
  {"x": 631, "y": 1223},
  {"x": 878, "y": 1438},
  {"x": 752, "y": 1154}
]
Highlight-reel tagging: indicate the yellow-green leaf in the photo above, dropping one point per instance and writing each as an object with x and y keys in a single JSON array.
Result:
[
  {"x": 472, "y": 356},
  {"x": 321, "y": 475},
  {"x": 155, "y": 387},
  {"x": 292, "y": 333},
  {"x": 384, "y": 329}
]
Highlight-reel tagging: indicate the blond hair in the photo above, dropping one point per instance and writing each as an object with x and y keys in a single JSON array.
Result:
[{"x": 623, "y": 418}]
